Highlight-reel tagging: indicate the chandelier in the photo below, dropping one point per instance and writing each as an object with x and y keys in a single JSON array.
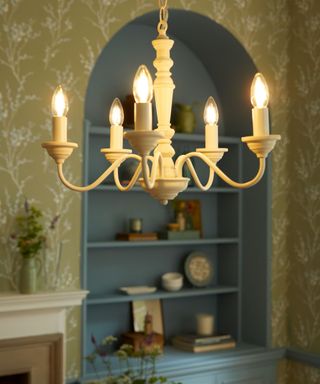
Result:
[{"x": 156, "y": 170}]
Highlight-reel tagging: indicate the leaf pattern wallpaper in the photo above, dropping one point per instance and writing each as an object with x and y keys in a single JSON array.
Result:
[{"x": 44, "y": 43}]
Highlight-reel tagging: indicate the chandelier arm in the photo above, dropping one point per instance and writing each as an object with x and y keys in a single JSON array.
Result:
[
  {"x": 132, "y": 181},
  {"x": 156, "y": 162},
  {"x": 196, "y": 178},
  {"x": 262, "y": 166},
  {"x": 247, "y": 184},
  {"x": 99, "y": 180}
]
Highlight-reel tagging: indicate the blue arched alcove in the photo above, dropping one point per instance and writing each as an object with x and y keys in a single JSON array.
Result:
[{"x": 208, "y": 60}]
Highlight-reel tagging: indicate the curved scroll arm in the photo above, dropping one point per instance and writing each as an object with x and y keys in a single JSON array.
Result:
[
  {"x": 262, "y": 166},
  {"x": 132, "y": 181},
  {"x": 247, "y": 184},
  {"x": 99, "y": 180},
  {"x": 156, "y": 162},
  {"x": 196, "y": 178}
]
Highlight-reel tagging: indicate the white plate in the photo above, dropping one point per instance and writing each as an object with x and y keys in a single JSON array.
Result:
[{"x": 138, "y": 290}]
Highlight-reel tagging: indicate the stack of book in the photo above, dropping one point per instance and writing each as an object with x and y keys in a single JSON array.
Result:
[
  {"x": 196, "y": 343},
  {"x": 145, "y": 236}
]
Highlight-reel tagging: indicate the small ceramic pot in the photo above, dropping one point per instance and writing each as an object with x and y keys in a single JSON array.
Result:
[
  {"x": 172, "y": 281},
  {"x": 205, "y": 324}
]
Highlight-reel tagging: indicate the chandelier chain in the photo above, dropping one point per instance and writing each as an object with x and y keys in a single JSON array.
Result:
[{"x": 163, "y": 17}]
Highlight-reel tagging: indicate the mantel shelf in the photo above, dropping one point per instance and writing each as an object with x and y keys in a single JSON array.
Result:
[
  {"x": 12, "y": 302},
  {"x": 160, "y": 294},
  {"x": 161, "y": 243},
  {"x": 192, "y": 137}
]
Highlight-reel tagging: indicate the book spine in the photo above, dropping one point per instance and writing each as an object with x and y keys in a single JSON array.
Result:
[
  {"x": 204, "y": 348},
  {"x": 215, "y": 347},
  {"x": 204, "y": 341},
  {"x": 212, "y": 340}
]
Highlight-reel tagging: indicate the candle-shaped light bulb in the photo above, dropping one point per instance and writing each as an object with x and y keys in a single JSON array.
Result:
[
  {"x": 59, "y": 104},
  {"x": 116, "y": 115},
  {"x": 211, "y": 117},
  {"x": 142, "y": 85},
  {"x": 142, "y": 92},
  {"x": 260, "y": 100},
  {"x": 59, "y": 109},
  {"x": 259, "y": 92},
  {"x": 211, "y": 113}
]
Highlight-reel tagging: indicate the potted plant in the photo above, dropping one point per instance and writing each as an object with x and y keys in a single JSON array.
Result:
[
  {"x": 30, "y": 240},
  {"x": 133, "y": 367}
]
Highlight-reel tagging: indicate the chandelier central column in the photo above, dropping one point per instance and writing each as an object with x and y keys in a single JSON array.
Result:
[{"x": 163, "y": 92}]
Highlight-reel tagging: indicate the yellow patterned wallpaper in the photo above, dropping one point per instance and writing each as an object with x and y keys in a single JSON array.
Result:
[{"x": 43, "y": 43}]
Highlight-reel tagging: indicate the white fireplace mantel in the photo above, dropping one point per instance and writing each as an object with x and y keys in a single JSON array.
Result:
[
  {"x": 25, "y": 317},
  {"x": 36, "y": 314}
]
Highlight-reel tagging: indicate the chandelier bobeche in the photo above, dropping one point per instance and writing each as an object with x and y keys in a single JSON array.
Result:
[{"x": 161, "y": 177}]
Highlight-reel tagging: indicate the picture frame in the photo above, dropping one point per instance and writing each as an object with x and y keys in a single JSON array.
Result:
[
  {"x": 139, "y": 310},
  {"x": 192, "y": 211}
]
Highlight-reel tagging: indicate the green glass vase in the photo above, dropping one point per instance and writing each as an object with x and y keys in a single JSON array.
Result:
[
  {"x": 29, "y": 275},
  {"x": 184, "y": 118}
]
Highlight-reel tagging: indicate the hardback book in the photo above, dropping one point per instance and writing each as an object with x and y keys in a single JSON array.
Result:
[
  {"x": 137, "y": 236},
  {"x": 227, "y": 344},
  {"x": 202, "y": 340}
]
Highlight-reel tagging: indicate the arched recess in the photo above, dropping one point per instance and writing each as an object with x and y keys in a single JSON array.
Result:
[{"x": 209, "y": 60}]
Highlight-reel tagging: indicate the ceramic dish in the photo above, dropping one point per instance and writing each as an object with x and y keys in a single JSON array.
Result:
[
  {"x": 199, "y": 269},
  {"x": 138, "y": 290}
]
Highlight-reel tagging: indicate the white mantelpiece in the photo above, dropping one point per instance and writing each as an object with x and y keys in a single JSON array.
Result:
[
  {"x": 36, "y": 314},
  {"x": 29, "y": 316}
]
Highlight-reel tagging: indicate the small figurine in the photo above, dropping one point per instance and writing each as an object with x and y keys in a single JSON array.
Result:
[
  {"x": 148, "y": 324},
  {"x": 146, "y": 341}
]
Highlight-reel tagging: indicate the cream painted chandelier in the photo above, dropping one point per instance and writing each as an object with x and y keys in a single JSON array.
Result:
[{"x": 162, "y": 177}]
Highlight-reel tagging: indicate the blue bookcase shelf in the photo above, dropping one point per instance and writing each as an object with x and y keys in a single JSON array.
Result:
[
  {"x": 182, "y": 137},
  {"x": 161, "y": 243},
  {"x": 113, "y": 188},
  {"x": 160, "y": 294},
  {"x": 109, "y": 264}
]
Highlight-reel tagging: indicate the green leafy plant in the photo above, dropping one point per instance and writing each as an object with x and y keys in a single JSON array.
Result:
[
  {"x": 133, "y": 367},
  {"x": 29, "y": 235}
]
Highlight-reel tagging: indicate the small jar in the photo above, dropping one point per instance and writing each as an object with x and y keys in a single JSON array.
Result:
[
  {"x": 205, "y": 324},
  {"x": 181, "y": 220},
  {"x": 135, "y": 225}
]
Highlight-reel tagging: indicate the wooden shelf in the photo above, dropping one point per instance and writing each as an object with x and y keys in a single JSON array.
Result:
[
  {"x": 113, "y": 188},
  {"x": 161, "y": 243},
  {"x": 160, "y": 294},
  {"x": 194, "y": 137}
]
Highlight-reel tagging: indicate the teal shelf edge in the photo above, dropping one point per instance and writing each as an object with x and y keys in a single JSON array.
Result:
[
  {"x": 161, "y": 243},
  {"x": 186, "y": 292},
  {"x": 195, "y": 137},
  {"x": 113, "y": 188},
  {"x": 179, "y": 363}
]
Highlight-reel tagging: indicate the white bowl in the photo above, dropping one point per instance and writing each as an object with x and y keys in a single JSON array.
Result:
[{"x": 172, "y": 281}]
